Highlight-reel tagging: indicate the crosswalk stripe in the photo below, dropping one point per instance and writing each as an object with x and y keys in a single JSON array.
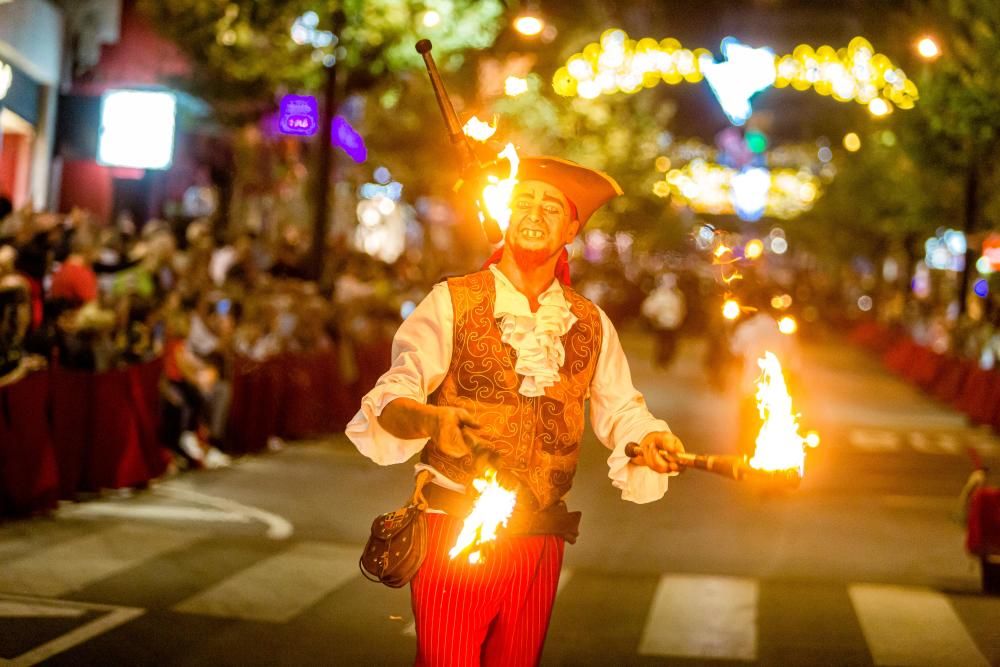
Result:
[
  {"x": 874, "y": 441},
  {"x": 280, "y": 587},
  {"x": 73, "y": 564},
  {"x": 912, "y": 626},
  {"x": 702, "y": 617}
]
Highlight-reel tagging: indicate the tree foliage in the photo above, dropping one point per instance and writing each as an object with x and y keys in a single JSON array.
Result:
[{"x": 245, "y": 54}]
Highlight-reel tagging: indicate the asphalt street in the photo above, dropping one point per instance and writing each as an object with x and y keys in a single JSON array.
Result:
[{"x": 257, "y": 564}]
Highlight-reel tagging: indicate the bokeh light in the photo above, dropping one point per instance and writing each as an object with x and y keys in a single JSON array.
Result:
[
  {"x": 928, "y": 48},
  {"x": 529, "y": 25},
  {"x": 787, "y": 325},
  {"x": 779, "y": 246},
  {"x": 731, "y": 309},
  {"x": 865, "y": 303},
  {"x": 753, "y": 249},
  {"x": 852, "y": 142},
  {"x": 879, "y": 107},
  {"x": 981, "y": 288}
]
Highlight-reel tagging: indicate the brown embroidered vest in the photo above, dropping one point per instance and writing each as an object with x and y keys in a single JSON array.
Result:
[{"x": 537, "y": 438}]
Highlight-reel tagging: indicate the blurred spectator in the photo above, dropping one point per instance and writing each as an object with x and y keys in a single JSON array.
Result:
[
  {"x": 75, "y": 282},
  {"x": 664, "y": 310}
]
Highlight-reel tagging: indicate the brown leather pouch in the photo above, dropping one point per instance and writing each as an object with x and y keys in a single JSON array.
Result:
[{"x": 398, "y": 541}]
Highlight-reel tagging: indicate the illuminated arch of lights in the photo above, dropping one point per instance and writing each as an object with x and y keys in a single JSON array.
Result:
[
  {"x": 714, "y": 189},
  {"x": 619, "y": 64}
]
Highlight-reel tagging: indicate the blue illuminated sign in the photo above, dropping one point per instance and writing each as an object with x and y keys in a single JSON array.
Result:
[{"x": 745, "y": 72}]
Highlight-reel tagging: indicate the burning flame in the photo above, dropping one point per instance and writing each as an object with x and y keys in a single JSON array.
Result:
[
  {"x": 779, "y": 445},
  {"x": 479, "y": 130},
  {"x": 491, "y": 510},
  {"x": 498, "y": 191}
]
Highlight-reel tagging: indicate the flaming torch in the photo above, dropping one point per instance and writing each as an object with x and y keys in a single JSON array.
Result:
[
  {"x": 779, "y": 456},
  {"x": 494, "y": 201},
  {"x": 492, "y": 509}
]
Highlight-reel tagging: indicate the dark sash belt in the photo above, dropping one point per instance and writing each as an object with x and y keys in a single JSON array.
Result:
[{"x": 554, "y": 520}]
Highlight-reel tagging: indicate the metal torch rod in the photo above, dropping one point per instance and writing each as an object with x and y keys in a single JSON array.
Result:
[
  {"x": 730, "y": 466},
  {"x": 444, "y": 102},
  {"x": 490, "y": 226}
]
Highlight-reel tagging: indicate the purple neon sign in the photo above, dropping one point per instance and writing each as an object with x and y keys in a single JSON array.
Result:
[
  {"x": 298, "y": 115},
  {"x": 348, "y": 139}
]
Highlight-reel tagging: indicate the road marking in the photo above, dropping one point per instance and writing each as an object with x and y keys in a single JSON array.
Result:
[
  {"x": 121, "y": 510},
  {"x": 113, "y": 617},
  {"x": 280, "y": 587},
  {"x": 278, "y": 527},
  {"x": 32, "y": 609},
  {"x": 874, "y": 441},
  {"x": 912, "y": 626},
  {"x": 702, "y": 617},
  {"x": 71, "y": 565},
  {"x": 564, "y": 576}
]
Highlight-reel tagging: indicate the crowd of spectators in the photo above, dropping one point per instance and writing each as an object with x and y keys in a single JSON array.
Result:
[{"x": 93, "y": 297}]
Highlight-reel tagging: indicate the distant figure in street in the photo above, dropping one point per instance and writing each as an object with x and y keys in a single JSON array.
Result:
[{"x": 665, "y": 310}]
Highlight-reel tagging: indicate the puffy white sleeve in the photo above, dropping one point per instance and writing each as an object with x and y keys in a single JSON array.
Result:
[
  {"x": 619, "y": 416},
  {"x": 421, "y": 354}
]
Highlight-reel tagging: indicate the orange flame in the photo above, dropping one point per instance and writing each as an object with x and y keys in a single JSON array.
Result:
[
  {"x": 479, "y": 130},
  {"x": 491, "y": 510},
  {"x": 779, "y": 445},
  {"x": 499, "y": 191}
]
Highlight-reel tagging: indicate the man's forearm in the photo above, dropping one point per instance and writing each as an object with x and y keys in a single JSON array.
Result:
[{"x": 408, "y": 419}]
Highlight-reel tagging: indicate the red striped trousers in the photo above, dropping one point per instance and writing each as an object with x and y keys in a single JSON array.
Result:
[{"x": 494, "y": 613}]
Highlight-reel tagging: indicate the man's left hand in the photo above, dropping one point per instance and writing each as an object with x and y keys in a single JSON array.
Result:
[{"x": 652, "y": 451}]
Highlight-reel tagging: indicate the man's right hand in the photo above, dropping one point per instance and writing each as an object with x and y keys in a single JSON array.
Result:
[{"x": 456, "y": 431}]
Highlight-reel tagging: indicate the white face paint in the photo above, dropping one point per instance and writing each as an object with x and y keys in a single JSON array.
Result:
[{"x": 540, "y": 222}]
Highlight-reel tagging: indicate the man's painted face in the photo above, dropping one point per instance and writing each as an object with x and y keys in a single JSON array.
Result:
[{"x": 540, "y": 222}]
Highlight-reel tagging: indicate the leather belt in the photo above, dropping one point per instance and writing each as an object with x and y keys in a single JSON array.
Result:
[{"x": 553, "y": 520}]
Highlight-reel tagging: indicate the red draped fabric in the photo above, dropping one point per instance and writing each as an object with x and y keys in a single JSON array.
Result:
[
  {"x": 116, "y": 458},
  {"x": 983, "y": 536},
  {"x": 72, "y": 412},
  {"x": 28, "y": 469}
]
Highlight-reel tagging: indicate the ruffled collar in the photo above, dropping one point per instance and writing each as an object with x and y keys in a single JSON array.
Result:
[{"x": 536, "y": 337}]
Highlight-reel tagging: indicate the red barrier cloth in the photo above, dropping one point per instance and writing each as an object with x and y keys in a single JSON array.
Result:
[
  {"x": 116, "y": 458},
  {"x": 983, "y": 535},
  {"x": 28, "y": 470},
  {"x": 374, "y": 358},
  {"x": 495, "y": 613},
  {"x": 900, "y": 355},
  {"x": 978, "y": 397},
  {"x": 254, "y": 411},
  {"x": 71, "y": 427},
  {"x": 952, "y": 378},
  {"x": 144, "y": 383},
  {"x": 304, "y": 411}
]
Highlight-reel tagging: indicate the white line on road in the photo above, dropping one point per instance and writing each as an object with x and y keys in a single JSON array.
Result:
[
  {"x": 280, "y": 587},
  {"x": 15, "y": 609},
  {"x": 874, "y": 441},
  {"x": 71, "y": 565},
  {"x": 702, "y": 617},
  {"x": 912, "y": 626},
  {"x": 278, "y": 527},
  {"x": 114, "y": 617},
  {"x": 121, "y": 510}
]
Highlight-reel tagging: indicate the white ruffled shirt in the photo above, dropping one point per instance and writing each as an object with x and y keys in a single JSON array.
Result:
[{"x": 421, "y": 356}]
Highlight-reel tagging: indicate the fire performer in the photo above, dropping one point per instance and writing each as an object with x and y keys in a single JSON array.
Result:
[{"x": 502, "y": 361}]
